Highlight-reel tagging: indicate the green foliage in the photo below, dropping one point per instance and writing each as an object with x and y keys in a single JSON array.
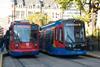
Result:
[
  {"x": 85, "y": 18},
  {"x": 39, "y": 18},
  {"x": 80, "y": 4},
  {"x": 65, "y": 4},
  {"x": 89, "y": 13}
]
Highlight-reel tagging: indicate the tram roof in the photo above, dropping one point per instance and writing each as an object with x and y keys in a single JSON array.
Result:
[
  {"x": 58, "y": 22},
  {"x": 20, "y": 22}
]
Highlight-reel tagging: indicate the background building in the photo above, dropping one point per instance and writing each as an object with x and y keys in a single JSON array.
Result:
[
  {"x": 49, "y": 7},
  {"x": 21, "y": 10}
]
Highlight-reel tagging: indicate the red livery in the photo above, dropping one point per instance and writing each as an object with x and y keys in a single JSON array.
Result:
[
  {"x": 22, "y": 38},
  {"x": 63, "y": 37}
]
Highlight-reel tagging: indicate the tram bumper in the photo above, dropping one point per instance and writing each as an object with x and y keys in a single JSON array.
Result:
[
  {"x": 62, "y": 51},
  {"x": 15, "y": 54}
]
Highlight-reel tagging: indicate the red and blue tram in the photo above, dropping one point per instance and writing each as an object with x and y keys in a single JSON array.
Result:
[
  {"x": 63, "y": 37},
  {"x": 22, "y": 39}
]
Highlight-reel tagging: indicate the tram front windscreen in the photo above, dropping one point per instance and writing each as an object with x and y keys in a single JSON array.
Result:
[
  {"x": 74, "y": 33},
  {"x": 22, "y": 32}
]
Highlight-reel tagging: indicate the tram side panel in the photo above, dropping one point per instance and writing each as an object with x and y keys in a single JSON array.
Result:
[
  {"x": 20, "y": 40},
  {"x": 53, "y": 39}
]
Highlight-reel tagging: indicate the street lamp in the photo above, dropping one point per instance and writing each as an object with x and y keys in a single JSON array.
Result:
[{"x": 41, "y": 5}]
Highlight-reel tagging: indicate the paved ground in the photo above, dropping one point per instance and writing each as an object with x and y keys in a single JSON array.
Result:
[
  {"x": 43, "y": 60},
  {"x": 95, "y": 54},
  {"x": 1, "y": 55}
]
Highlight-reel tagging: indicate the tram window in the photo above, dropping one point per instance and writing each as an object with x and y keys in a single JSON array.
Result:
[
  {"x": 51, "y": 37},
  {"x": 47, "y": 34},
  {"x": 41, "y": 36},
  {"x": 41, "y": 39},
  {"x": 46, "y": 37},
  {"x": 34, "y": 27},
  {"x": 60, "y": 35},
  {"x": 56, "y": 34},
  {"x": 34, "y": 36}
]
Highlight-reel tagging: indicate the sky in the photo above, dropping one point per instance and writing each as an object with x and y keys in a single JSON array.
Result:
[
  {"x": 5, "y": 8},
  {"x": 5, "y": 11}
]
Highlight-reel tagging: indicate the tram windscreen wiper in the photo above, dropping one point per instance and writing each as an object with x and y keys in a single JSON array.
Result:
[
  {"x": 71, "y": 40},
  {"x": 17, "y": 37}
]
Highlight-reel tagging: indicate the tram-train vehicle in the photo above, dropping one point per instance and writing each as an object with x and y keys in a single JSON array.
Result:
[
  {"x": 63, "y": 38},
  {"x": 22, "y": 39}
]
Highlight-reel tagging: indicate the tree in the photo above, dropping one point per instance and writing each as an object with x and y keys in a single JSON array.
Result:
[
  {"x": 93, "y": 9},
  {"x": 66, "y": 4},
  {"x": 39, "y": 18},
  {"x": 90, "y": 13}
]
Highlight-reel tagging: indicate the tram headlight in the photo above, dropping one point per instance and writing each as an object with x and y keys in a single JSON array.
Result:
[
  {"x": 16, "y": 46},
  {"x": 84, "y": 45},
  {"x": 70, "y": 45},
  {"x": 35, "y": 44}
]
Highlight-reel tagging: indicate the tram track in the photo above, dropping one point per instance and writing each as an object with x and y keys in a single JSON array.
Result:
[
  {"x": 54, "y": 59},
  {"x": 43, "y": 60},
  {"x": 92, "y": 58},
  {"x": 14, "y": 62},
  {"x": 21, "y": 63},
  {"x": 81, "y": 60},
  {"x": 44, "y": 63},
  {"x": 26, "y": 62},
  {"x": 85, "y": 65}
]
